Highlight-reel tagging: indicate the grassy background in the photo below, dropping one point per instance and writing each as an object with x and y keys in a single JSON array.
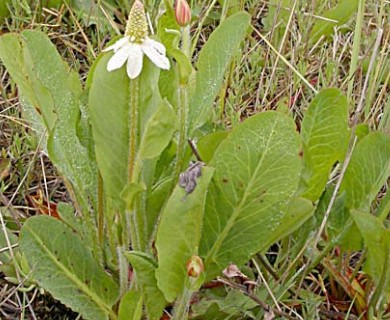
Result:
[{"x": 281, "y": 67}]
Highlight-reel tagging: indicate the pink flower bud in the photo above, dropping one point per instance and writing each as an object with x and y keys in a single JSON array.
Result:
[
  {"x": 182, "y": 12},
  {"x": 195, "y": 266}
]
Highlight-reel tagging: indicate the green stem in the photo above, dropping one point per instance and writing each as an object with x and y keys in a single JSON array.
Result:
[
  {"x": 133, "y": 123},
  {"x": 100, "y": 222},
  {"x": 100, "y": 210},
  {"x": 123, "y": 270},
  {"x": 183, "y": 105},
  {"x": 133, "y": 222},
  {"x": 182, "y": 304},
  {"x": 186, "y": 41},
  {"x": 137, "y": 222}
]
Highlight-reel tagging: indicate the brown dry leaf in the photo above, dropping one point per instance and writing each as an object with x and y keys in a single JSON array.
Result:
[
  {"x": 39, "y": 202},
  {"x": 269, "y": 315},
  {"x": 5, "y": 165},
  {"x": 232, "y": 271}
]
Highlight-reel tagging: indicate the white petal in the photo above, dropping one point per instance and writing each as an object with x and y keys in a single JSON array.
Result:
[
  {"x": 119, "y": 58},
  {"x": 157, "y": 45},
  {"x": 134, "y": 62},
  {"x": 117, "y": 45},
  {"x": 156, "y": 53}
]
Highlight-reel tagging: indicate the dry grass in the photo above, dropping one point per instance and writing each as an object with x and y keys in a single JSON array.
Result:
[{"x": 277, "y": 70}]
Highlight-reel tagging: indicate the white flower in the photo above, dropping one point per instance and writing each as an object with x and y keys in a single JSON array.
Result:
[
  {"x": 135, "y": 44},
  {"x": 133, "y": 52}
]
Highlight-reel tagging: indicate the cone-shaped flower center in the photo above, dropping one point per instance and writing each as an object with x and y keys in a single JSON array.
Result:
[
  {"x": 135, "y": 44},
  {"x": 137, "y": 26}
]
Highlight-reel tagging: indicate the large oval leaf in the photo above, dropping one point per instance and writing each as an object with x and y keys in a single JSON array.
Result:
[
  {"x": 109, "y": 99},
  {"x": 325, "y": 138},
  {"x": 51, "y": 93},
  {"x": 63, "y": 266},
  {"x": 367, "y": 172},
  {"x": 256, "y": 172},
  {"x": 213, "y": 61},
  {"x": 109, "y": 102},
  {"x": 178, "y": 235},
  {"x": 377, "y": 240}
]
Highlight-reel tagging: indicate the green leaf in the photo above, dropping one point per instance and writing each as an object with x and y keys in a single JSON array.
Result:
[
  {"x": 52, "y": 91},
  {"x": 184, "y": 65},
  {"x": 325, "y": 138},
  {"x": 109, "y": 103},
  {"x": 367, "y": 171},
  {"x": 256, "y": 173},
  {"x": 145, "y": 268},
  {"x": 377, "y": 240},
  {"x": 67, "y": 215},
  {"x": 109, "y": 100},
  {"x": 130, "y": 193},
  {"x": 89, "y": 11},
  {"x": 15, "y": 58},
  {"x": 209, "y": 143},
  {"x": 277, "y": 18},
  {"x": 4, "y": 12},
  {"x": 5, "y": 255},
  {"x": 154, "y": 206},
  {"x": 179, "y": 234},
  {"x": 340, "y": 14},
  {"x": 296, "y": 213},
  {"x": 63, "y": 266},
  {"x": 214, "y": 59},
  {"x": 158, "y": 132},
  {"x": 130, "y": 307}
]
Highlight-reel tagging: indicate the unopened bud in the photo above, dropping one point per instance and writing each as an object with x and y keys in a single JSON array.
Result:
[
  {"x": 195, "y": 266},
  {"x": 182, "y": 12}
]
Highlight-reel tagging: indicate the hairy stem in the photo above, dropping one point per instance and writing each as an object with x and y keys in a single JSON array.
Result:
[
  {"x": 133, "y": 124},
  {"x": 183, "y": 105},
  {"x": 182, "y": 305},
  {"x": 135, "y": 221}
]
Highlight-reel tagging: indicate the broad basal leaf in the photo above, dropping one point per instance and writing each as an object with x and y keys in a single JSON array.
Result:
[
  {"x": 109, "y": 100},
  {"x": 52, "y": 92},
  {"x": 63, "y": 266},
  {"x": 325, "y": 137},
  {"x": 109, "y": 106},
  {"x": 377, "y": 240},
  {"x": 179, "y": 234},
  {"x": 256, "y": 172},
  {"x": 213, "y": 61},
  {"x": 367, "y": 171},
  {"x": 145, "y": 268}
]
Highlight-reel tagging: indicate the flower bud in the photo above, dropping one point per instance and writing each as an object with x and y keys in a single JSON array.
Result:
[
  {"x": 194, "y": 266},
  {"x": 182, "y": 12}
]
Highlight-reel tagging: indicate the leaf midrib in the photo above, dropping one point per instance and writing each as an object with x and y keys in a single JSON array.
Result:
[
  {"x": 99, "y": 302},
  {"x": 236, "y": 212}
]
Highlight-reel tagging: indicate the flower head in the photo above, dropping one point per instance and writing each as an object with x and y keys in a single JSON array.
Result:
[{"x": 134, "y": 44}]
